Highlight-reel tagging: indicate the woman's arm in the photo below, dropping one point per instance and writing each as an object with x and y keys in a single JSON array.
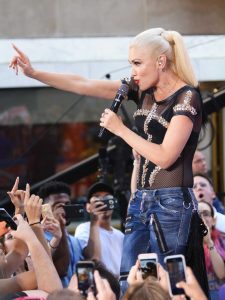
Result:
[
  {"x": 67, "y": 82},
  {"x": 46, "y": 274},
  {"x": 136, "y": 164},
  {"x": 216, "y": 259},
  {"x": 163, "y": 155}
]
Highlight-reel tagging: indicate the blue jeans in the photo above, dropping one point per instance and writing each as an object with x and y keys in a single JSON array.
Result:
[{"x": 157, "y": 221}]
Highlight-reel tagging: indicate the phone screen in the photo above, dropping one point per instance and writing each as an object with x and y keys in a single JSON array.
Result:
[
  {"x": 176, "y": 273},
  {"x": 148, "y": 267},
  {"x": 85, "y": 277}
]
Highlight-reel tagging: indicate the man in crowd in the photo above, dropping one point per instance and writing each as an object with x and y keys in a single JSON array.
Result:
[
  {"x": 66, "y": 250},
  {"x": 98, "y": 239},
  {"x": 203, "y": 190},
  {"x": 199, "y": 164}
]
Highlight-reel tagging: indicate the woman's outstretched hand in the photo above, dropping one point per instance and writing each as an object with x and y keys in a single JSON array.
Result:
[{"x": 22, "y": 62}]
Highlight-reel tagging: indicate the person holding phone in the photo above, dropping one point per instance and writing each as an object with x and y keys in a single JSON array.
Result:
[
  {"x": 98, "y": 238},
  {"x": 66, "y": 250},
  {"x": 168, "y": 119},
  {"x": 214, "y": 250}
]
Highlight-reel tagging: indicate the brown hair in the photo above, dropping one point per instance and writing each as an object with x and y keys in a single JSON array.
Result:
[
  {"x": 65, "y": 294},
  {"x": 150, "y": 289}
]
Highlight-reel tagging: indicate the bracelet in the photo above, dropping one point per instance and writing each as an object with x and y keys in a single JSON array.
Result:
[
  {"x": 52, "y": 246},
  {"x": 35, "y": 223},
  {"x": 211, "y": 247}
]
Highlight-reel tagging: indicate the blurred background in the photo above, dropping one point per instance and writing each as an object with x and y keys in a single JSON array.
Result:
[{"x": 49, "y": 134}]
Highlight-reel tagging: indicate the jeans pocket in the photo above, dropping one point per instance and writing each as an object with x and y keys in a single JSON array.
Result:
[{"x": 172, "y": 203}]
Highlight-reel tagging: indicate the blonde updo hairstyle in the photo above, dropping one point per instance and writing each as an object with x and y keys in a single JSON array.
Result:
[{"x": 171, "y": 44}]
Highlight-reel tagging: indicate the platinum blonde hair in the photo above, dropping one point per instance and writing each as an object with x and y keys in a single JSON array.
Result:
[{"x": 171, "y": 44}]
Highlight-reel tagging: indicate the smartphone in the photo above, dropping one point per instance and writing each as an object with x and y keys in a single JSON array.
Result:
[
  {"x": 46, "y": 211},
  {"x": 176, "y": 266},
  {"x": 148, "y": 264},
  {"x": 74, "y": 211},
  {"x": 85, "y": 276},
  {"x": 123, "y": 276},
  {"x": 109, "y": 201},
  {"x": 5, "y": 216}
]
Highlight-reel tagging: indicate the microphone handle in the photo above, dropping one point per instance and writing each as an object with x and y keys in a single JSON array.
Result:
[{"x": 104, "y": 133}]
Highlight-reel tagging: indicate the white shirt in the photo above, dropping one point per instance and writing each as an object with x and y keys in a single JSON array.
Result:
[{"x": 111, "y": 245}]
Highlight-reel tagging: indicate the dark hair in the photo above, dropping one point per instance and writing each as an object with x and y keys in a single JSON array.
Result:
[
  {"x": 53, "y": 187},
  {"x": 204, "y": 176},
  {"x": 106, "y": 274},
  {"x": 210, "y": 206}
]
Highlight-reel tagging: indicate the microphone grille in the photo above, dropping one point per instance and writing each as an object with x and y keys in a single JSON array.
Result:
[{"x": 124, "y": 88}]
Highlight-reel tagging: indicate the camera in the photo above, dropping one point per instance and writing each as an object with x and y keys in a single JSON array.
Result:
[
  {"x": 74, "y": 211},
  {"x": 109, "y": 201}
]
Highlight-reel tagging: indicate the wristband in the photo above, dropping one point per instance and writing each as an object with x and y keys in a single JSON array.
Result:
[
  {"x": 52, "y": 246},
  {"x": 35, "y": 223}
]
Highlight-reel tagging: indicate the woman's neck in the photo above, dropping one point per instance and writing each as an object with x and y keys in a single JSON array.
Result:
[{"x": 167, "y": 85}]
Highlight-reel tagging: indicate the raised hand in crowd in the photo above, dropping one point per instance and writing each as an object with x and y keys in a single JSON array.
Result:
[
  {"x": 52, "y": 225},
  {"x": 135, "y": 275},
  {"x": 104, "y": 290},
  {"x": 17, "y": 197},
  {"x": 32, "y": 206},
  {"x": 95, "y": 208},
  {"x": 46, "y": 274},
  {"x": 191, "y": 287}
]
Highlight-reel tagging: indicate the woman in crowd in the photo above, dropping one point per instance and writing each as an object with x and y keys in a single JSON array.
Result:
[{"x": 214, "y": 249}]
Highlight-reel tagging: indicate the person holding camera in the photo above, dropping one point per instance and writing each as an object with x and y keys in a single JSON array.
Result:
[{"x": 98, "y": 239}]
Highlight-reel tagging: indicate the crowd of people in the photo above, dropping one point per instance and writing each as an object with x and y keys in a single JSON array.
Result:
[{"x": 41, "y": 258}]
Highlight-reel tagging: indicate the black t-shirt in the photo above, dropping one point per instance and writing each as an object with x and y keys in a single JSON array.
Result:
[{"x": 152, "y": 119}]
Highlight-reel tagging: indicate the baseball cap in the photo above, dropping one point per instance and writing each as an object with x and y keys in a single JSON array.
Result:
[{"x": 99, "y": 187}]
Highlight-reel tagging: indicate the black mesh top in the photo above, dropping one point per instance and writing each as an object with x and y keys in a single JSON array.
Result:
[{"x": 152, "y": 119}]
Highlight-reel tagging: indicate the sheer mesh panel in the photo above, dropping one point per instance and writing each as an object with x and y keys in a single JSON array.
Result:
[{"x": 152, "y": 119}]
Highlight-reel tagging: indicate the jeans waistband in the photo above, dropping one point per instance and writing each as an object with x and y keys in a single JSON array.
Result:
[{"x": 163, "y": 191}]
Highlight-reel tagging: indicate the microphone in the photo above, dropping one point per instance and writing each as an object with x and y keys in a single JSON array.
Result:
[{"x": 120, "y": 96}]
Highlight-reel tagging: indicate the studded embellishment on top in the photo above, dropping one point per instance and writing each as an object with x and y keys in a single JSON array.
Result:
[
  {"x": 162, "y": 121},
  {"x": 145, "y": 166},
  {"x": 153, "y": 175},
  {"x": 186, "y": 105},
  {"x": 150, "y": 116},
  {"x": 141, "y": 112}
]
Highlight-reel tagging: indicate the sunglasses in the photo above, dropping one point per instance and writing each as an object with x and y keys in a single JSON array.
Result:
[{"x": 204, "y": 213}]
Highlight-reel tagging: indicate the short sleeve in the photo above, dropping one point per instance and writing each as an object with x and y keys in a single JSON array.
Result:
[
  {"x": 82, "y": 234},
  {"x": 188, "y": 104}
]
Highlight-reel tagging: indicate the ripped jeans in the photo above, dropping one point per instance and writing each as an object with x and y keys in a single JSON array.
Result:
[{"x": 157, "y": 221}]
